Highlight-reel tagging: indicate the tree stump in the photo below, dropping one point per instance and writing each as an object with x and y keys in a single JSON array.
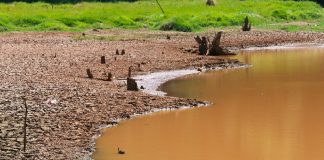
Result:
[
  {"x": 131, "y": 84},
  {"x": 123, "y": 52},
  {"x": 109, "y": 77},
  {"x": 89, "y": 73},
  {"x": 103, "y": 60},
  {"x": 210, "y": 3},
  {"x": 213, "y": 48},
  {"x": 203, "y": 45},
  {"x": 247, "y": 25}
]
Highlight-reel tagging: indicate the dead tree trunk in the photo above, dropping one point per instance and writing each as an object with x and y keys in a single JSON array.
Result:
[
  {"x": 210, "y": 3},
  {"x": 247, "y": 25}
]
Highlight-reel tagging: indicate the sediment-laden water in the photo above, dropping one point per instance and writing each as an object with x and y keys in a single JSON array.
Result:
[{"x": 271, "y": 111}]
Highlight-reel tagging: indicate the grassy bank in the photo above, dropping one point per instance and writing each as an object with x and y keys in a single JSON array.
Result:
[{"x": 181, "y": 15}]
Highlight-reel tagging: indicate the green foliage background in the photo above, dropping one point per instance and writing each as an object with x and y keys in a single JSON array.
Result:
[{"x": 181, "y": 15}]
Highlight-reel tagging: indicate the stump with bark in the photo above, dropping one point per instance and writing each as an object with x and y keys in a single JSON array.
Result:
[
  {"x": 202, "y": 45},
  {"x": 213, "y": 48},
  {"x": 131, "y": 84},
  {"x": 247, "y": 25}
]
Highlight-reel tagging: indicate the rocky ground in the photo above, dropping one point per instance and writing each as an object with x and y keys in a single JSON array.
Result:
[{"x": 66, "y": 109}]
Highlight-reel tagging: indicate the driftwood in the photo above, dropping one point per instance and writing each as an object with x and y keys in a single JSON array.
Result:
[
  {"x": 213, "y": 48},
  {"x": 210, "y": 3},
  {"x": 247, "y": 25}
]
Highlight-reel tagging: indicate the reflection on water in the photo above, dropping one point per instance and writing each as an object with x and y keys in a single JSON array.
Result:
[{"x": 271, "y": 111}]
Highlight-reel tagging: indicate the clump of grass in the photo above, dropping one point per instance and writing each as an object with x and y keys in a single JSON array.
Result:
[
  {"x": 181, "y": 15},
  {"x": 178, "y": 24}
]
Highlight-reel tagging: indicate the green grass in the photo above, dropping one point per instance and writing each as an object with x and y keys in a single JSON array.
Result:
[{"x": 181, "y": 15}]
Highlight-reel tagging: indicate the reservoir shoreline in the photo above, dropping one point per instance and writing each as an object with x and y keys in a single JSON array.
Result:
[
  {"x": 67, "y": 111},
  {"x": 152, "y": 81}
]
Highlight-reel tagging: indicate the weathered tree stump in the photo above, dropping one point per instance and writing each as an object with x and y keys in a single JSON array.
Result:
[
  {"x": 247, "y": 25},
  {"x": 131, "y": 84},
  {"x": 109, "y": 77},
  {"x": 103, "y": 60},
  {"x": 89, "y": 73},
  {"x": 210, "y": 3},
  {"x": 203, "y": 45},
  {"x": 213, "y": 48}
]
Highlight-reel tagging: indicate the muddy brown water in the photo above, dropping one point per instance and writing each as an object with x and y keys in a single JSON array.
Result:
[{"x": 271, "y": 111}]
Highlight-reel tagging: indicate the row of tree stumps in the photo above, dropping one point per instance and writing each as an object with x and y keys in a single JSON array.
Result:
[{"x": 131, "y": 83}]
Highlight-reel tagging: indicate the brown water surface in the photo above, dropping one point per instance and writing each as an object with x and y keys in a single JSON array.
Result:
[{"x": 271, "y": 111}]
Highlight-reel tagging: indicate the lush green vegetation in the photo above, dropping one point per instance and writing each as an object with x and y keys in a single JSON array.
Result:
[{"x": 181, "y": 15}]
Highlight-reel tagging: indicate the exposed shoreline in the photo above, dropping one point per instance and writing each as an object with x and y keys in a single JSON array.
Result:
[
  {"x": 67, "y": 110},
  {"x": 152, "y": 81}
]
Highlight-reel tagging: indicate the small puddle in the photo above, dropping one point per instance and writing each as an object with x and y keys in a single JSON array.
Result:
[{"x": 271, "y": 111}]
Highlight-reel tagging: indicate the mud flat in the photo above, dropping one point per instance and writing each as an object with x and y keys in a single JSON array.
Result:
[{"x": 66, "y": 109}]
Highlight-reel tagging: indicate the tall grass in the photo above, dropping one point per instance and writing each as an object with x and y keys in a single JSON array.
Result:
[{"x": 181, "y": 15}]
